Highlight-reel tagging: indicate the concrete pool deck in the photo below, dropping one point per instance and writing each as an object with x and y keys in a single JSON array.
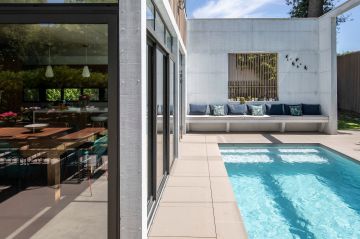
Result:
[{"x": 198, "y": 201}]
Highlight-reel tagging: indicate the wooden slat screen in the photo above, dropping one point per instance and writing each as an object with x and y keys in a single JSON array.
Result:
[
  {"x": 349, "y": 82},
  {"x": 253, "y": 76}
]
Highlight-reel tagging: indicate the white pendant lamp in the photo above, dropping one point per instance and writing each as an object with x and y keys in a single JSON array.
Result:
[
  {"x": 86, "y": 71},
  {"x": 49, "y": 73}
]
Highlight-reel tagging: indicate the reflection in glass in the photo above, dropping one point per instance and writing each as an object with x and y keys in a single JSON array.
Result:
[
  {"x": 150, "y": 14},
  {"x": 169, "y": 41},
  {"x": 53, "y": 131},
  {"x": 160, "y": 73},
  {"x": 159, "y": 28},
  {"x": 172, "y": 111}
]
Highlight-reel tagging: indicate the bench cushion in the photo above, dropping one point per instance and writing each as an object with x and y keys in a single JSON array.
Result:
[
  {"x": 237, "y": 109},
  {"x": 275, "y": 109},
  {"x": 198, "y": 109},
  {"x": 254, "y": 119},
  {"x": 311, "y": 109}
]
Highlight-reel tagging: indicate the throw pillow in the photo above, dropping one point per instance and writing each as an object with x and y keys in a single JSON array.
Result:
[
  {"x": 295, "y": 110},
  {"x": 237, "y": 109},
  {"x": 197, "y": 109},
  {"x": 257, "y": 110},
  {"x": 311, "y": 109},
  {"x": 219, "y": 110}
]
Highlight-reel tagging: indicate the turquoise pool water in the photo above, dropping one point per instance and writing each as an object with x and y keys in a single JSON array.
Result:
[{"x": 295, "y": 191}]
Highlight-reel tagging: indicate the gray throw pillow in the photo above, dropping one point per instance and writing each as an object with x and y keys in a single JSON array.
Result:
[
  {"x": 257, "y": 110},
  {"x": 219, "y": 110}
]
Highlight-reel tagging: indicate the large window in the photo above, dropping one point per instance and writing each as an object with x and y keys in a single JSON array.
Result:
[
  {"x": 253, "y": 76},
  {"x": 58, "y": 1},
  {"x": 53, "y": 130}
]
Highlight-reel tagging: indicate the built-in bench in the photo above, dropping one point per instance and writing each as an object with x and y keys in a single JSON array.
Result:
[{"x": 282, "y": 120}]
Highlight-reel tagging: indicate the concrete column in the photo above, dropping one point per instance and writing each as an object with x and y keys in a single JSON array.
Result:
[
  {"x": 133, "y": 173},
  {"x": 328, "y": 71}
]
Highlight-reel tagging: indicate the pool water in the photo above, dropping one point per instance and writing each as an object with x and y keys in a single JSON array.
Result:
[{"x": 292, "y": 191}]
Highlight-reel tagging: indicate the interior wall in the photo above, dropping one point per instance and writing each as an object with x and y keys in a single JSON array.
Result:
[{"x": 211, "y": 40}]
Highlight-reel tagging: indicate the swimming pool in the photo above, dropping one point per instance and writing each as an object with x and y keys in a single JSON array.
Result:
[{"x": 294, "y": 191}]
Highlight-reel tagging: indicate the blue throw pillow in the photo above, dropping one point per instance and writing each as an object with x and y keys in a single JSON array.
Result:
[
  {"x": 287, "y": 108},
  {"x": 250, "y": 108},
  {"x": 237, "y": 109},
  {"x": 311, "y": 109},
  {"x": 213, "y": 106},
  {"x": 198, "y": 109},
  {"x": 275, "y": 109}
]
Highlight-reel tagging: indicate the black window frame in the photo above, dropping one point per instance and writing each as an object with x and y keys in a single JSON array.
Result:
[{"x": 86, "y": 14}]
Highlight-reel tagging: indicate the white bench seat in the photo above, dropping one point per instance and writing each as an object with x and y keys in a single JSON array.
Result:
[{"x": 282, "y": 120}]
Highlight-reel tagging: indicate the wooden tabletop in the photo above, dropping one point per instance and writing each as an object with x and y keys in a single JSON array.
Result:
[
  {"x": 23, "y": 133},
  {"x": 82, "y": 134}
]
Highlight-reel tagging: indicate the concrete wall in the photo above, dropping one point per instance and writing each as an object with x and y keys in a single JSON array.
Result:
[
  {"x": 133, "y": 145},
  {"x": 328, "y": 71},
  {"x": 210, "y": 41}
]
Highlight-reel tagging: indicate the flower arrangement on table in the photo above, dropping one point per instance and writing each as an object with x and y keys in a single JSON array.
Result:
[{"x": 8, "y": 118}]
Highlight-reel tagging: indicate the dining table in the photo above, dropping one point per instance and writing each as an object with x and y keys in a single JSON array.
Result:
[
  {"x": 50, "y": 143},
  {"x": 21, "y": 133}
]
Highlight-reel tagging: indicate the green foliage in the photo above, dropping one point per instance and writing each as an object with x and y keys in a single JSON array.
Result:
[
  {"x": 12, "y": 83},
  {"x": 348, "y": 121},
  {"x": 300, "y": 8},
  {"x": 72, "y": 94},
  {"x": 53, "y": 94},
  {"x": 93, "y": 93},
  {"x": 267, "y": 61}
]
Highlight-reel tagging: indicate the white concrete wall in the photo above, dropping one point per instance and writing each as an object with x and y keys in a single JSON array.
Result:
[
  {"x": 132, "y": 135},
  {"x": 211, "y": 40},
  {"x": 328, "y": 71}
]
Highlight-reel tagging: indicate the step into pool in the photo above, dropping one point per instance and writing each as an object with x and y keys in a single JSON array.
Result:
[{"x": 294, "y": 191}]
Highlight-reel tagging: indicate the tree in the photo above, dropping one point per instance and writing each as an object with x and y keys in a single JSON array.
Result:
[
  {"x": 316, "y": 8},
  {"x": 310, "y": 8},
  {"x": 313, "y": 8}
]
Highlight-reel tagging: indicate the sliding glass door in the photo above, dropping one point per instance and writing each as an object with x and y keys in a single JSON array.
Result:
[{"x": 58, "y": 124}]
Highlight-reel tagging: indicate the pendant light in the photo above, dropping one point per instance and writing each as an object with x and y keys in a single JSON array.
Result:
[
  {"x": 49, "y": 73},
  {"x": 86, "y": 71}
]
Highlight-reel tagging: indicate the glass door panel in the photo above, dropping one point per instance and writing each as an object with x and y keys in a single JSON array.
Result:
[
  {"x": 172, "y": 111},
  {"x": 160, "y": 143},
  {"x": 53, "y": 130}
]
